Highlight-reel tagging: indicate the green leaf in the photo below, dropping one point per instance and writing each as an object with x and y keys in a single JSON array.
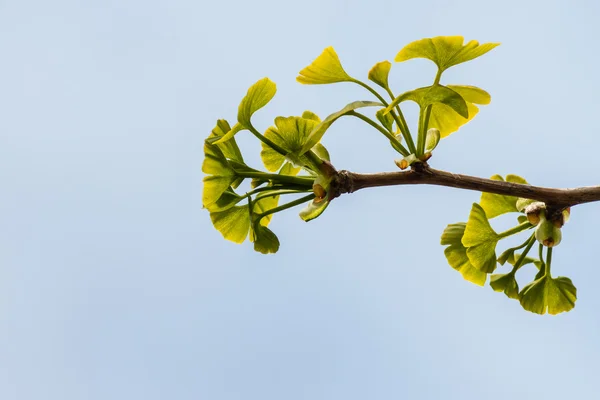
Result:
[
  {"x": 313, "y": 210},
  {"x": 380, "y": 72},
  {"x": 386, "y": 119},
  {"x": 257, "y": 97},
  {"x": 480, "y": 240},
  {"x": 230, "y": 148},
  {"x": 265, "y": 241},
  {"x": 554, "y": 295},
  {"x": 495, "y": 204},
  {"x": 220, "y": 174},
  {"x": 227, "y": 200},
  {"x": 311, "y": 115},
  {"x": 505, "y": 283},
  {"x": 317, "y": 134},
  {"x": 437, "y": 94},
  {"x": 264, "y": 204},
  {"x": 456, "y": 254},
  {"x": 291, "y": 134},
  {"x": 233, "y": 223},
  {"x": 447, "y": 120},
  {"x": 326, "y": 68},
  {"x": 444, "y": 51}
]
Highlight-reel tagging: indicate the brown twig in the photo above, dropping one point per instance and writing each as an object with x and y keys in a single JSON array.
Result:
[{"x": 422, "y": 174}]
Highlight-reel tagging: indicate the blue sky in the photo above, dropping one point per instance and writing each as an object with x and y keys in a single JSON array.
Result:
[{"x": 114, "y": 284}]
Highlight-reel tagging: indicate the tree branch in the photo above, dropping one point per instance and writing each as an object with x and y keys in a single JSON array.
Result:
[{"x": 422, "y": 174}]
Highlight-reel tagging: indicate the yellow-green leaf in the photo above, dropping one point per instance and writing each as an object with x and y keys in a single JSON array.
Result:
[
  {"x": 289, "y": 133},
  {"x": 230, "y": 148},
  {"x": 233, "y": 223},
  {"x": 505, "y": 283},
  {"x": 313, "y": 210},
  {"x": 311, "y": 115},
  {"x": 433, "y": 95},
  {"x": 386, "y": 120},
  {"x": 265, "y": 204},
  {"x": 456, "y": 254},
  {"x": 257, "y": 97},
  {"x": 547, "y": 294},
  {"x": 380, "y": 72},
  {"x": 447, "y": 120},
  {"x": 219, "y": 177},
  {"x": 227, "y": 200},
  {"x": 495, "y": 204},
  {"x": 265, "y": 241},
  {"x": 444, "y": 51},
  {"x": 480, "y": 240},
  {"x": 326, "y": 68},
  {"x": 317, "y": 133}
]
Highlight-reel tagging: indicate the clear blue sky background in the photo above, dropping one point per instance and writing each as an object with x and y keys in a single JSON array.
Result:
[{"x": 114, "y": 284}]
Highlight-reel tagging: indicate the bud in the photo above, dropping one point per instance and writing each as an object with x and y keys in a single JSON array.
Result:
[
  {"x": 432, "y": 139},
  {"x": 535, "y": 212},
  {"x": 547, "y": 233},
  {"x": 406, "y": 161}
]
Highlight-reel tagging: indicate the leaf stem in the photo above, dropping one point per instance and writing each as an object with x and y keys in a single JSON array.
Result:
[
  {"x": 401, "y": 124},
  {"x": 268, "y": 142},
  {"x": 519, "y": 228},
  {"x": 519, "y": 262},
  {"x": 401, "y": 149},
  {"x": 296, "y": 180},
  {"x": 287, "y": 205}
]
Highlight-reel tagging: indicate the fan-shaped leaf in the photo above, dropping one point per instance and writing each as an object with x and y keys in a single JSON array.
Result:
[
  {"x": 505, "y": 283},
  {"x": 257, "y": 97},
  {"x": 380, "y": 72},
  {"x": 437, "y": 94},
  {"x": 233, "y": 223},
  {"x": 480, "y": 240},
  {"x": 496, "y": 204},
  {"x": 456, "y": 254},
  {"x": 220, "y": 174},
  {"x": 265, "y": 241},
  {"x": 444, "y": 51},
  {"x": 554, "y": 295},
  {"x": 326, "y": 68},
  {"x": 291, "y": 134},
  {"x": 313, "y": 210}
]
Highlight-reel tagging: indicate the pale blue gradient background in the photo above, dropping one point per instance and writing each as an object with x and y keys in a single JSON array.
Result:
[{"x": 114, "y": 285}]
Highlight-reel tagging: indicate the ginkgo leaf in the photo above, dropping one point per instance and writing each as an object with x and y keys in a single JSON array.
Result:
[
  {"x": 227, "y": 200},
  {"x": 311, "y": 115},
  {"x": 264, "y": 204},
  {"x": 547, "y": 294},
  {"x": 220, "y": 174},
  {"x": 456, "y": 254},
  {"x": 313, "y": 210},
  {"x": 326, "y": 68},
  {"x": 436, "y": 94},
  {"x": 230, "y": 148},
  {"x": 444, "y": 51},
  {"x": 380, "y": 72},
  {"x": 317, "y": 133},
  {"x": 291, "y": 134},
  {"x": 480, "y": 240},
  {"x": 496, "y": 204},
  {"x": 233, "y": 223},
  {"x": 505, "y": 283},
  {"x": 386, "y": 119},
  {"x": 257, "y": 97},
  {"x": 265, "y": 241}
]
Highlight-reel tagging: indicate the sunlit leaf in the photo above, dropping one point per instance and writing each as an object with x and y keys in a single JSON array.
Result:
[
  {"x": 320, "y": 129},
  {"x": 380, "y": 72},
  {"x": 456, "y": 254},
  {"x": 437, "y": 94},
  {"x": 311, "y": 115},
  {"x": 444, "y": 51},
  {"x": 233, "y": 223},
  {"x": 505, "y": 283},
  {"x": 227, "y": 200},
  {"x": 313, "y": 210},
  {"x": 229, "y": 148},
  {"x": 264, "y": 204},
  {"x": 326, "y": 68},
  {"x": 257, "y": 97},
  {"x": 220, "y": 174},
  {"x": 265, "y": 241},
  {"x": 386, "y": 119},
  {"x": 547, "y": 294},
  {"x": 496, "y": 204},
  {"x": 480, "y": 240},
  {"x": 291, "y": 134}
]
